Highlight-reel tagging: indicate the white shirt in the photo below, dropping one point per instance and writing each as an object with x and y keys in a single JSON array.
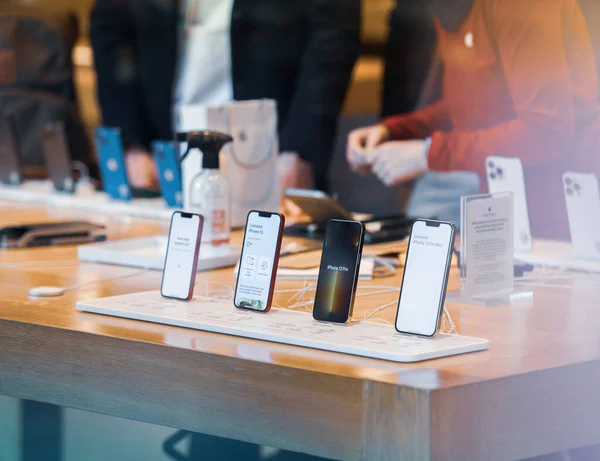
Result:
[{"x": 204, "y": 71}]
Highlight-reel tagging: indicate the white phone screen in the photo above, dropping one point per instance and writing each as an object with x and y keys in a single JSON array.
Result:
[
  {"x": 181, "y": 254},
  {"x": 257, "y": 261},
  {"x": 424, "y": 282}
]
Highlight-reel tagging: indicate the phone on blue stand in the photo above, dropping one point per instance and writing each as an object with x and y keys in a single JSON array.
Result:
[
  {"x": 166, "y": 157},
  {"x": 112, "y": 163}
]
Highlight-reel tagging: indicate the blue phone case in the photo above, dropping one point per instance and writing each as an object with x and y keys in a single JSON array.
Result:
[
  {"x": 166, "y": 156},
  {"x": 112, "y": 163}
]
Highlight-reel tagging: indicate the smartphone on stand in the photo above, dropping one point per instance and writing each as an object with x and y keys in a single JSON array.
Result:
[
  {"x": 582, "y": 196},
  {"x": 505, "y": 174},
  {"x": 57, "y": 157},
  {"x": 425, "y": 279},
  {"x": 112, "y": 163},
  {"x": 259, "y": 260},
  {"x": 166, "y": 157},
  {"x": 10, "y": 153},
  {"x": 338, "y": 272},
  {"x": 181, "y": 260}
]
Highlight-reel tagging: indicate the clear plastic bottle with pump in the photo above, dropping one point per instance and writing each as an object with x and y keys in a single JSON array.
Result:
[
  {"x": 210, "y": 192},
  {"x": 210, "y": 195}
]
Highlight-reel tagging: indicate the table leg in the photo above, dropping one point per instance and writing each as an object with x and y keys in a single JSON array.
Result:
[{"x": 41, "y": 431}]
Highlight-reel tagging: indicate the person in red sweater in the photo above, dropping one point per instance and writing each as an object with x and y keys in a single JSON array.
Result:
[{"x": 519, "y": 80}]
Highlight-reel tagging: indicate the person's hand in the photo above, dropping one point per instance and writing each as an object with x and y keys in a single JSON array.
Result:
[
  {"x": 361, "y": 143},
  {"x": 400, "y": 161},
  {"x": 141, "y": 170},
  {"x": 294, "y": 173}
]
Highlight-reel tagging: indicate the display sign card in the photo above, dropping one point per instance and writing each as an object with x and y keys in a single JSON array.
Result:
[{"x": 487, "y": 261}]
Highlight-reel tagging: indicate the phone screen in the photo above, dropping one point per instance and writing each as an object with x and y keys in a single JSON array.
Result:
[
  {"x": 182, "y": 252},
  {"x": 425, "y": 277},
  {"x": 10, "y": 155},
  {"x": 56, "y": 154},
  {"x": 260, "y": 254},
  {"x": 338, "y": 273}
]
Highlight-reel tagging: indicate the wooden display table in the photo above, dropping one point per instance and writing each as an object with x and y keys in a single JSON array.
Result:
[{"x": 534, "y": 392}]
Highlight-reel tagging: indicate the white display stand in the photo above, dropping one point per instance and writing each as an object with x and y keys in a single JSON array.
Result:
[
  {"x": 149, "y": 253},
  {"x": 557, "y": 254},
  {"x": 43, "y": 193},
  {"x": 284, "y": 326},
  {"x": 367, "y": 267}
]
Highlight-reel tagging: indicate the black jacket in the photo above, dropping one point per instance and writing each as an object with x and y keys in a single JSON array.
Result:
[{"x": 299, "y": 52}]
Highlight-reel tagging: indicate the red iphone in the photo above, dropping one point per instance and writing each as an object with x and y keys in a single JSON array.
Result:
[
  {"x": 259, "y": 261},
  {"x": 181, "y": 261}
]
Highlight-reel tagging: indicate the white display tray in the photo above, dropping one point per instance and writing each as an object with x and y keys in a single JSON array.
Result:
[
  {"x": 367, "y": 266},
  {"x": 43, "y": 192},
  {"x": 149, "y": 253},
  {"x": 365, "y": 339},
  {"x": 557, "y": 254}
]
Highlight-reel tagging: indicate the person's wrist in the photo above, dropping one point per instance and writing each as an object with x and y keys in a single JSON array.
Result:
[{"x": 136, "y": 150}]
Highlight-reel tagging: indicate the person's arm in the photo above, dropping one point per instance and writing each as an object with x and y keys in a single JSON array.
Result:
[
  {"x": 333, "y": 46},
  {"x": 419, "y": 124},
  {"x": 113, "y": 38},
  {"x": 530, "y": 47}
]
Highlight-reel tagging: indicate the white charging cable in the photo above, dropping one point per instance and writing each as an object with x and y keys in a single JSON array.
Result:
[
  {"x": 38, "y": 264},
  {"x": 384, "y": 267},
  {"x": 224, "y": 293},
  {"x": 48, "y": 292}
]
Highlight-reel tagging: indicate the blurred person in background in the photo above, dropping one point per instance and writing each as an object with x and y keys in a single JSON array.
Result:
[
  {"x": 519, "y": 80},
  {"x": 135, "y": 55},
  {"x": 300, "y": 53}
]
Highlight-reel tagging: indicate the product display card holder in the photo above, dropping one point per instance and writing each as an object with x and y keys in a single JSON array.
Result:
[
  {"x": 486, "y": 251},
  {"x": 149, "y": 253},
  {"x": 249, "y": 162},
  {"x": 364, "y": 339}
]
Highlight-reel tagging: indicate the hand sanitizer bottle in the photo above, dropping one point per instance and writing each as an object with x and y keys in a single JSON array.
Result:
[{"x": 210, "y": 192}]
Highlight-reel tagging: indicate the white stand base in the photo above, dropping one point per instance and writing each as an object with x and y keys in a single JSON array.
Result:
[
  {"x": 557, "y": 254},
  {"x": 516, "y": 298},
  {"x": 43, "y": 193},
  {"x": 149, "y": 253},
  {"x": 284, "y": 326}
]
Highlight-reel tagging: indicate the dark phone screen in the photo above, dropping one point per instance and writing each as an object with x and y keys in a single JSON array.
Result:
[
  {"x": 57, "y": 156},
  {"x": 338, "y": 272},
  {"x": 10, "y": 161}
]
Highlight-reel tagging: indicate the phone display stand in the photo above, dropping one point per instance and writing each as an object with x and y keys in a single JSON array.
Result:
[
  {"x": 486, "y": 253},
  {"x": 559, "y": 255},
  {"x": 364, "y": 339},
  {"x": 150, "y": 252},
  {"x": 43, "y": 193}
]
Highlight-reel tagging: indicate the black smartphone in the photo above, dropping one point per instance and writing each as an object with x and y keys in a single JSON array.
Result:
[
  {"x": 57, "y": 156},
  {"x": 47, "y": 234},
  {"x": 10, "y": 154},
  {"x": 338, "y": 273},
  {"x": 425, "y": 278}
]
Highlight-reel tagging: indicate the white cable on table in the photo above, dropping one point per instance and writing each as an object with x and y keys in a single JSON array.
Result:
[{"x": 49, "y": 292}]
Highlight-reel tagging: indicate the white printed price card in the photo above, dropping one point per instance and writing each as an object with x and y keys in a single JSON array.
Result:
[{"x": 487, "y": 261}]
